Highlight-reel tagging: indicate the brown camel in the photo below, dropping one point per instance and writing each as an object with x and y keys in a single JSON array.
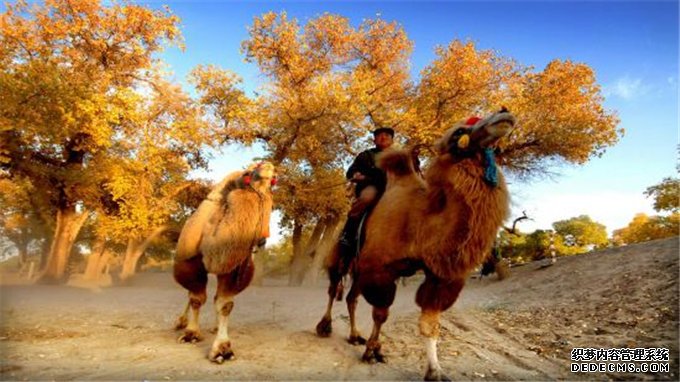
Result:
[
  {"x": 444, "y": 224},
  {"x": 220, "y": 238}
]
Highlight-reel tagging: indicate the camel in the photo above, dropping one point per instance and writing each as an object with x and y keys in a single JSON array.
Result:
[
  {"x": 443, "y": 224},
  {"x": 220, "y": 238}
]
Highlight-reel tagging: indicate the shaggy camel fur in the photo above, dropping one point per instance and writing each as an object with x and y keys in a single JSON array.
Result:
[
  {"x": 444, "y": 224},
  {"x": 220, "y": 238}
]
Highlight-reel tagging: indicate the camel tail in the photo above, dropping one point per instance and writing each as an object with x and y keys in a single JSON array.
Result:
[{"x": 396, "y": 162}]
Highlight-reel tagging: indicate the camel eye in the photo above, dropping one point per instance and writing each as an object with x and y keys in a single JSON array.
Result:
[
  {"x": 461, "y": 138},
  {"x": 463, "y": 141}
]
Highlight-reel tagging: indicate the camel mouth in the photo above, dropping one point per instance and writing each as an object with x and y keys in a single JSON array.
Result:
[
  {"x": 488, "y": 131},
  {"x": 266, "y": 174},
  {"x": 495, "y": 132}
]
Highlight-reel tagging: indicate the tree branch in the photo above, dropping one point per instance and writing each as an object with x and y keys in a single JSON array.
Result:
[{"x": 513, "y": 230}]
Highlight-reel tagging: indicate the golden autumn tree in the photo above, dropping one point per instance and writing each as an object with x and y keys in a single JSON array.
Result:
[
  {"x": 580, "y": 234},
  {"x": 666, "y": 195},
  {"x": 329, "y": 84},
  {"x": 69, "y": 69},
  {"x": 645, "y": 228},
  {"x": 165, "y": 139},
  {"x": 460, "y": 82},
  {"x": 560, "y": 112},
  {"x": 379, "y": 84},
  {"x": 563, "y": 119},
  {"x": 667, "y": 224}
]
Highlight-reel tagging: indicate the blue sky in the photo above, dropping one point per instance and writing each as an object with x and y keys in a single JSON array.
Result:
[{"x": 631, "y": 45}]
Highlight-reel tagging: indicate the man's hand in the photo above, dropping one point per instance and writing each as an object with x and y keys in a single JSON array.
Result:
[{"x": 357, "y": 177}]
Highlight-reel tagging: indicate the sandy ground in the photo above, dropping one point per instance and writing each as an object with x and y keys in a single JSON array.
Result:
[{"x": 521, "y": 328}]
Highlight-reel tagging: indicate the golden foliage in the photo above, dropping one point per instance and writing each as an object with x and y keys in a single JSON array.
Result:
[
  {"x": 329, "y": 84},
  {"x": 645, "y": 228},
  {"x": 666, "y": 195},
  {"x": 560, "y": 112},
  {"x": 86, "y": 114},
  {"x": 562, "y": 118},
  {"x": 88, "y": 117}
]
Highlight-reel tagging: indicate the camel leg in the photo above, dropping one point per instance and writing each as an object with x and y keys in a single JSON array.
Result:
[
  {"x": 325, "y": 326},
  {"x": 228, "y": 286},
  {"x": 221, "y": 347},
  {"x": 435, "y": 296},
  {"x": 373, "y": 353},
  {"x": 355, "y": 337},
  {"x": 335, "y": 273},
  {"x": 379, "y": 289},
  {"x": 192, "y": 275},
  {"x": 183, "y": 320}
]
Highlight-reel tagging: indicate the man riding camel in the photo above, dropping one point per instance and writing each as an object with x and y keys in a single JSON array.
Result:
[{"x": 370, "y": 184}]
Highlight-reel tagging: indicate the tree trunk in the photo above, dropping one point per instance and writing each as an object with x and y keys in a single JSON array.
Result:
[
  {"x": 304, "y": 255},
  {"x": 103, "y": 263},
  {"x": 135, "y": 250},
  {"x": 69, "y": 223},
  {"x": 23, "y": 254},
  {"x": 92, "y": 268},
  {"x": 309, "y": 250},
  {"x": 132, "y": 255},
  {"x": 44, "y": 252},
  {"x": 297, "y": 263},
  {"x": 313, "y": 241},
  {"x": 320, "y": 252}
]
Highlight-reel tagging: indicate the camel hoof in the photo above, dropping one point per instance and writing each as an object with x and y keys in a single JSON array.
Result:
[
  {"x": 435, "y": 375},
  {"x": 356, "y": 340},
  {"x": 372, "y": 356},
  {"x": 190, "y": 336},
  {"x": 221, "y": 353},
  {"x": 325, "y": 327},
  {"x": 182, "y": 323}
]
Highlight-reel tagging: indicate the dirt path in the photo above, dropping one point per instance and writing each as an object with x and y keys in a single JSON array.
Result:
[{"x": 522, "y": 328}]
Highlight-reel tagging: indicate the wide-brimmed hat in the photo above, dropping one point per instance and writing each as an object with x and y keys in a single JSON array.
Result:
[{"x": 387, "y": 130}]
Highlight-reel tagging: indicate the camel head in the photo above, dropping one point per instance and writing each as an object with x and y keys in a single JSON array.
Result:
[
  {"x": 477, "y": 138},
  {"x": 465, "y": 139},
  {"x": 260, "y": 175}
]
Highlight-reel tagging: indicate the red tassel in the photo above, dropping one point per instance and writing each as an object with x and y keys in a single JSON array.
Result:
[
  {"x": 274, "y": 181},
  {"x": 472, "y": 120},
  {"x": 246, "y": 180}
]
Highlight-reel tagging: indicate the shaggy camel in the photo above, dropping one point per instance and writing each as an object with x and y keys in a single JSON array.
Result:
[
  {"x": 220, "y": 238},
  {"x": 444, "y": 224}
]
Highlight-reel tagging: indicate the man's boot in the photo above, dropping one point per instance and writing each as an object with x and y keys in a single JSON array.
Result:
[{"x": 348, "y": 238}]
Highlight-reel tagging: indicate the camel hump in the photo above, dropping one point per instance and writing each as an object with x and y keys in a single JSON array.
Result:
[{"x": 397, "y": 162}]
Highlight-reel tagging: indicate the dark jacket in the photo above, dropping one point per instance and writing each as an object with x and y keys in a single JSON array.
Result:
[{"x": 365, "y": 164}]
